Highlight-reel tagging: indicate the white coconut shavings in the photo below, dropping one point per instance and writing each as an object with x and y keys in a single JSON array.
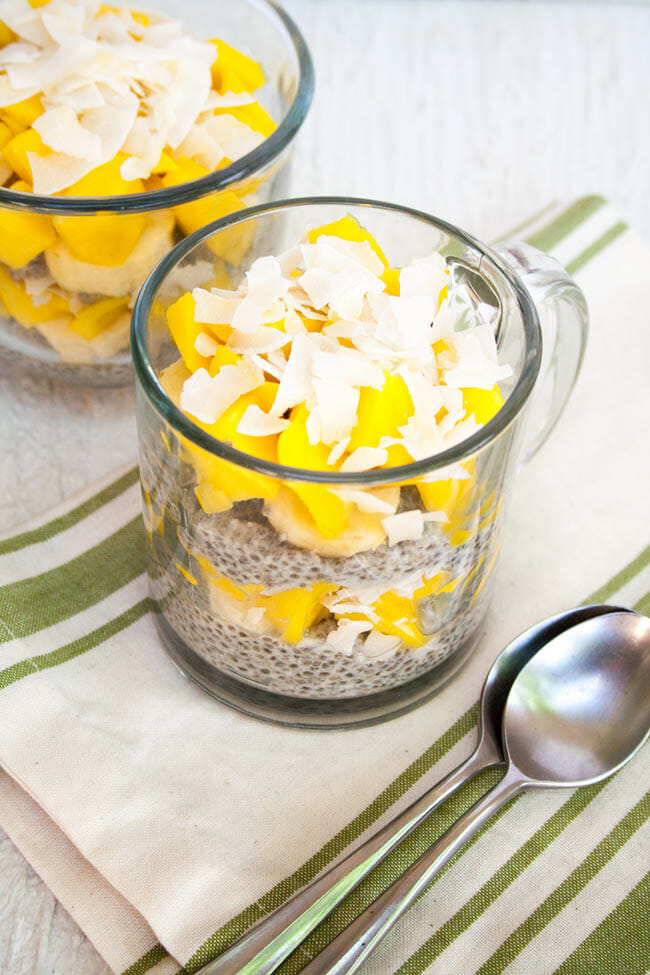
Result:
[
  {"x": 336, "y": 409},
  {"x": 214, "y": 307},
  {"x": 346, "y": 633},
  {"x": 337, "y": 451},
  {"x": 427, "y": 277},
  {"x": 367, "y": 501},
  {"x": 206, "y": 397},
  {"x": 295, "y": 385},
  {"x": 254, "y": 615},
  {"x": 256, "y": 423},
  {"x": 263, "y": 339},
  {"x": 364, "y": 459},
  {"x": 149, "y": 85},
  {"x": 326, "y": 332},
  {"x": 205, "y": 344},
  {"x": 379, "y": 644},
  {"x": 477, "y": 360},
  {"x": 405, "y": 526}
]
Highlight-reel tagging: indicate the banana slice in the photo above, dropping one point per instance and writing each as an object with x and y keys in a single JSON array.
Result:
[
  {"x": 114, "y": 282},
  {"x": 75, "y": 349},
  {"x": 290, "y": 518}
]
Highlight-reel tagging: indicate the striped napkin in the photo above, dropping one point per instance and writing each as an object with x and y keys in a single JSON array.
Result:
[{"x": 166, "y": 824}]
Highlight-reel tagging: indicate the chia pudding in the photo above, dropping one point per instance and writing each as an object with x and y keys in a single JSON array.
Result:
[{"x": 325, "y": 360}]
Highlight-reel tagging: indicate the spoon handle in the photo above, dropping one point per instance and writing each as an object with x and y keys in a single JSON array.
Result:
[
  {"x": 347, "y": 952},
  {"x": 264, "y": 947}
]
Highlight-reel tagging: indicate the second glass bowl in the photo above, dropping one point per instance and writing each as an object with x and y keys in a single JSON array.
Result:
[{"x": 104, "y": 272}]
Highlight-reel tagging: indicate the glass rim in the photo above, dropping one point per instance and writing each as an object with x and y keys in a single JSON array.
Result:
[
  {"x": 220, "y": 179},
  {"x": 183, "y": 425}
]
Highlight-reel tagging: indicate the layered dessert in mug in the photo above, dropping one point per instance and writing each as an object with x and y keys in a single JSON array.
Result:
[
  {"x": 328, "y": 361},
  {"x": 103, "y": 100}
]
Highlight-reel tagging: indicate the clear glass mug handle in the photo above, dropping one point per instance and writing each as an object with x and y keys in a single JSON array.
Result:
[{"x": 564, "y": 321}]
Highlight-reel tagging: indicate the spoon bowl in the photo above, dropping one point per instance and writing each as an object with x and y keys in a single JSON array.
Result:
[{"x": 580, "y": 708}]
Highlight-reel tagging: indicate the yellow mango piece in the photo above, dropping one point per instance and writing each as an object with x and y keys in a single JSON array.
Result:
[
  {"x": 105, "y": 180},
  {"x": 25, "y": 112},
  {"x": 186, "y": 573},
  {"x": 21, "y": 307},
  {"x": 483, "y": 403},
  {"x": 5, "y": 134},
  {"x": 106, "y": 239},
  {"x": 234, "y": 71},
  {"x": 223, "y": 357},
  {"x": 397, "y": 617},
  {"x": 166, "y": 164},
  {"x": 225, "y": 429},
  {"x": 381, "y": 412},
  {"x": 347, "y": 228},
  {"x": 451, "y": 495},
  {"x": 294, "y": 611},
  {"x": 326, "y": 508},
  {"x": 98, "y": 316},
  {"x": 180, "y": 318},
  {"x": 140, "y": 18},
  {"x": 253, "y": 115},
  {"x": 15, "y": 151},
  {"x": 23, "y": 235},
  {"x": 390, "y": 277},
  {"x": 38, "y": 3},
  {"x": 230, "y": 244},
  {"x": 6, "y": 34},
  {"x": 211, "y": 499}
]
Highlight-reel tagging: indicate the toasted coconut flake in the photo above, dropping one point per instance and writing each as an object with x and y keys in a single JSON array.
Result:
[
  {"x": 367, "y": 501},
  {"x": 213, "y": 308},
  {"x": 262, "y": 340},
  {"x": 337, "y": 451},
  {"x": 256, "y": 423},
  {"x": 60, "y": 129},
  {"x": 346, "y": 633},
  {"x": 379, "y": 644},
  {"x": 254, "y": 615},
  {"x": 405, "y": 526},
  {"x": 205, "y": 344},
  {"x": 337, "y": 409},
  {"x": 425, "y": 277},
  {"x": 364, "y": 459},
  {"x": 206, "y": 397},
  {"x": 296, "y": 384}
]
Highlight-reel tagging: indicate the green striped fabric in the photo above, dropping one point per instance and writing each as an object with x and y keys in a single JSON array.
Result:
[{"x": 560, "y": 855}]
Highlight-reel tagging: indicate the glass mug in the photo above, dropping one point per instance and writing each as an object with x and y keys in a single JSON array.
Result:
[
  {"x": 70, "y": 266},
  {"x": 241, "y": 609}
]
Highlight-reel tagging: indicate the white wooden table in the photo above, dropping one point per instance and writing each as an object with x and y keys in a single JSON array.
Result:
[{"x": 479, "y": 111}]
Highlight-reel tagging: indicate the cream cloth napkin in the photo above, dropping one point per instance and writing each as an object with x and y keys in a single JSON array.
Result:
[{"x": 167, "y": 823}]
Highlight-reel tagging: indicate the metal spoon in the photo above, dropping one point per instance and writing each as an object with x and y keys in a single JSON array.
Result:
[
  {"x": 577, "y": 712},
  {"x": 262, "y": 949}
]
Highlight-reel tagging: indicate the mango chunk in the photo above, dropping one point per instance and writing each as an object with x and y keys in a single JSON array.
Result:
[
  {"x": 105, "y": 180},
  {"x": 381, "y": 412},
  {"x": 180, "y": 318},
  {"x": 98, "y": 316},
  {"x": 347, "y": 228},
  {"x": 223, "y": 357},
  {"x": 24, "y": 113},
  {"x": 294, "y": 611},
  {"x": 326, "y": 508},
  {"x": 451, "y": 495},
  {"x": 106, "y": 239},
  {"x": 15, "y": 151},
  {"x": 6, "y": 135},
  {"x": 23, "y": 236},
  {"x": 483, "y": 403},
  {"x": 253, "y": 115},
  {"x": 21, "y": 307},
  {"x": 234, "y": 71},
  {"x": 6, "y": 34},
  {"x": 390, "y": 277}
]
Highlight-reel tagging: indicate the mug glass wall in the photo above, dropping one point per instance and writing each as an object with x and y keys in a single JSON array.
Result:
[
  {"x": 251, "y": 562},
  {"x": 70, "y": 267}
]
